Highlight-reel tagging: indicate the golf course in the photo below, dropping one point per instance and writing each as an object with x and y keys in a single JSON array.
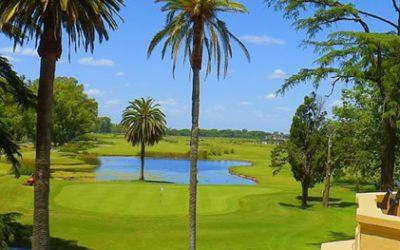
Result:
[{"x": 86, "y": 213}]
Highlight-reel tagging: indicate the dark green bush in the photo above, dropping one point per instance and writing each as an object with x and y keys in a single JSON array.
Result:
[{"x": 90, "y": 159}]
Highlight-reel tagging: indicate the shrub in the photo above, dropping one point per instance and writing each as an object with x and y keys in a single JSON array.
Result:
[
  {"x": 8, "y": 228},
  {"x": 27, "y": 167},
  {"x": 90, "y": 159}
]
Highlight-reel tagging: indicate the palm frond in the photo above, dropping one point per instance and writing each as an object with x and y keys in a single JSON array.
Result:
[
  {"x": 81, "y": 19},
  {"x": 179, "y": 29},
  {"x": 143, "y": 122}
]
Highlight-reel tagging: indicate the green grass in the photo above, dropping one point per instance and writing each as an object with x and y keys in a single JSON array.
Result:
[{"x": 134, "y": 215}]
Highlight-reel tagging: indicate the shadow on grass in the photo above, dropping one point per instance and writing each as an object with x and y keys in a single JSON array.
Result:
[
  {"x": 334, "y": 236},
  {"x": 312, "y": 200},
  {"x": 288, "y": 205},
  {"x": 317, "y": 199},
  {"x": 23, "y": 240},
  {"x": 343, "y": 204},
  {"x": 165, "y": 182}
]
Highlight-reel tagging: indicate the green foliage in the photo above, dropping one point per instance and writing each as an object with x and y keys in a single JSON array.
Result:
[
  {"x": 360, "y": 58},
  {"x": 358, "y": 134},
  {"x": 9, "y": 149},
  {"x": 76, "y": 17},
  {"x": 143, "y": 122},
  {"x": 305, "y": 149},
  {"x": 27, "y": 166},
  {"x": 179, "y": 30},
  {"x": 279, "y": 158},
  {"x": 90, "y": 159},
  {"x": 12, "y": 89},
  {"x": 325, "y": 14},
  {"x": 8, "y": 229},
  {"x": 12, "y": 84},
  {"x": 305, "y": 145},
  {"x": 74, "y": 113},
  {"x": 102, "y": 125}
]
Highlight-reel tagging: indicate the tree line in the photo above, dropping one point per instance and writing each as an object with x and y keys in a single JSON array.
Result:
[{"x": 227, "y": 133}]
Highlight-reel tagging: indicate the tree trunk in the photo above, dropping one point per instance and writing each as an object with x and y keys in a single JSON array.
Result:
[
  {"x": 327, "y": 179},
  {"x": 304, "y": 193},
  {"x": 193, "y": 159},
  {"x": 196, "y": 61},
  {"x": 142, "y": 149},
  {"x": 41, "y": 229},
  {"x": 388, "y": 153},
  {"x": 49, "y": 51}
]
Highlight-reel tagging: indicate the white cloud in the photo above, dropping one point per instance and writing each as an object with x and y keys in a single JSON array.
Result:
[
  {"x": 219, "y": 108},
  {"x": 271, "y": 97},
  {"x": 94, "y": 92},
  {"x": 96, "y": 62},
  {"x": 245, "y": 103},
  {"x": 278, "y": 74},
  {"x": 120, "y": 73},
  {"x": 216, "y": 110},
  {"x": 113, "y": 102},
  {"x": 19, "y": 50},
  {"x": 263, "y": 40},
  {"x": 168, "y": 102}
]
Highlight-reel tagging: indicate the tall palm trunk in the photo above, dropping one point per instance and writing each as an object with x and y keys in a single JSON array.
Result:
[
  {"x": 388, "y": 152},
  {"x": 49, "y": 51},
  {"x": 327, "y": 179},
  {"x": 41, "y": 230},
  {"x": 196, "y": 61},
  {"x": 142, "y": 150}
]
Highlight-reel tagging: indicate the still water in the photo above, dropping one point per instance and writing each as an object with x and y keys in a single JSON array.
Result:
[{"x": 169, "y": 170}]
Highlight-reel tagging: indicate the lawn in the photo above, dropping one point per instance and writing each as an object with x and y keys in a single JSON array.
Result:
[{"x": 89, "y": 214}]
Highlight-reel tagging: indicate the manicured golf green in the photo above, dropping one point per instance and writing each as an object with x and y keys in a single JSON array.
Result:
[{"x": 89, "y": 214}]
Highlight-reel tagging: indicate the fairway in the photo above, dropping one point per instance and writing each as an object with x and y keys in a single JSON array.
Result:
[
  {"x": 90, "y": 214},
  {"x": 147, "y": 199}
]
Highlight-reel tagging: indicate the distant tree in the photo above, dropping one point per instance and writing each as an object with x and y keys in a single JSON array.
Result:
[
  {"x": 226, "y": 133},
  {"x": 116, "y": 128},
  {"x": 74, "y": 113},
  {"x": 103, "y": 125},
  {"x": 144, "y": 124},
  {"x": 305, "y": 148},
  {"x": 196, "y": 26}
]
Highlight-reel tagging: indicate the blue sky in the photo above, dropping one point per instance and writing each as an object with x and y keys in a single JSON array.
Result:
[{"x": 118, "y": 71}]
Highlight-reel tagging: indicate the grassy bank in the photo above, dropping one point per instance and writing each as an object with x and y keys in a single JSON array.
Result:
[{"x": 88, "y": 214}]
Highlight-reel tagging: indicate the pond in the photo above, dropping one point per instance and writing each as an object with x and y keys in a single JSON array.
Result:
[{"x": 168, "y": 170}]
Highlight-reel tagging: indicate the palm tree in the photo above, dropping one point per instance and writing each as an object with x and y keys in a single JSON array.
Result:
[
  {"x": 144, "y": 124},
  {"x": 11, "y": 84},
  {"x": 46, "y": 21},
  {"x": 195, "y": 24}
]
